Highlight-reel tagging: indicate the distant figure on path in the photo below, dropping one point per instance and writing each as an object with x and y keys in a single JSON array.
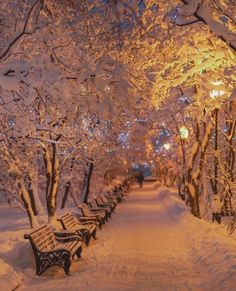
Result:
[
  {"x": 216, "y": 209},
  {"x": 140, "y": 179}
]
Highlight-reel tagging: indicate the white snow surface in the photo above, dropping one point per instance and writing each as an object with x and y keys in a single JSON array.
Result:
[{"x": 152, "y": 242}]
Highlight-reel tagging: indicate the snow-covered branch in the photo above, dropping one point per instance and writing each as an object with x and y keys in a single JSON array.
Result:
[
  {"x": 206, "y": 11},
  {"x": 28, "y": 28}
]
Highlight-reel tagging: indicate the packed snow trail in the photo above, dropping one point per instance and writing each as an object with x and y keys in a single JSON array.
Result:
[{"x": 150, "y": 243}]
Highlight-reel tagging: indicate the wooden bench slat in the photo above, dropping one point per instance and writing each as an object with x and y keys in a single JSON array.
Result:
[
  {"x": 86, "y": 231},
  {"x": 48, "y": 251}
]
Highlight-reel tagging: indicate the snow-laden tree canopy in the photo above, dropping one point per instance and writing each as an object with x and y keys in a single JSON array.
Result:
[{"x": 84, "y": 82}]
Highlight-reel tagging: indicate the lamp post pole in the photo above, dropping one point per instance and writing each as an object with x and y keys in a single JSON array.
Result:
[
  {"x": 183, "y": 134},
  {"x": 216, "y": 162},
  {"x": 215, "y": 93}
]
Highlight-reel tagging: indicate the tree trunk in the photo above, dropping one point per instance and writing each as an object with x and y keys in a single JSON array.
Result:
[
  {"x": 194, "y": 204},
  {"x": 25, "y": 196},
  {"x": 31, "y": 195},
  {"x": 230, "y": 161},
  {"x": 87, "y": 180},
  {"x": 32, "y": 201},
  {"x": 195, "y": 170},
  {"x": 66, "y": 194},
  {"x": 68, "y": 186},
  {"x": 35, "y": 188},
  {"x": 38, "y": 202},
  {"x": 52, "y": 176}
]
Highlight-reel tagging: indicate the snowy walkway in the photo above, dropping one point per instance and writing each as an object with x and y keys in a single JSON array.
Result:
[{"x": 149, "y": 244}]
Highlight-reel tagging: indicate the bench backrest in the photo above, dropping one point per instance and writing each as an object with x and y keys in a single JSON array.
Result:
[
  {"x": 85, "y": 209},
  {"x": 42, "y": 238},
  {"x": 68, "y": 221},
  {"x": 103, "y": 198},
  {"x": 93, "y": 203}
]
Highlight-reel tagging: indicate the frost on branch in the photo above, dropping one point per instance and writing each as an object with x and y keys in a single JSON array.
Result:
[
  {"x": 14, "y": 74},
  {"x": 218, "y": 15}
]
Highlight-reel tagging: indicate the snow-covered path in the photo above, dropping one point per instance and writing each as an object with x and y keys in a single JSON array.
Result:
[{"x": 147, "y": 245}]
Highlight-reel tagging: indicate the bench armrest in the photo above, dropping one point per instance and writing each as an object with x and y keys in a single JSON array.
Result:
[
  {"x": 66, "y": 235},
  {"x": 63, "y": 233},
  {"x": 88, "y": 220},
  {"x": 97, "y": 209}
]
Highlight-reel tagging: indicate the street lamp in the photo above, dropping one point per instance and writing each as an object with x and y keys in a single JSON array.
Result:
[
  {"x": 183, "y": 131},
  {"x": 215, "y": 94},
  {"x": 167, "y": 146},
  {"x": 183, "y": 134}
]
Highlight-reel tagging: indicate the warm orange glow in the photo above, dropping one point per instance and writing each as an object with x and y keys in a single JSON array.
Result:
[
  {"x": 167, "y": 146},
  {"x": 217, "y": 83},
  {"x": 215, "y": 93},
  {"x": 184, "y": 133}
]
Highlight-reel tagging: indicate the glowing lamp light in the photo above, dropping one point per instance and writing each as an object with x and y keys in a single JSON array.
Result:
[
  {"x": 217, "y": 83},
  {"x": 184, "y": 133},
  {"x": 167, "y": 146},
  {"x": 107, "y": 88},
  {"x": 215, "y": 93}
]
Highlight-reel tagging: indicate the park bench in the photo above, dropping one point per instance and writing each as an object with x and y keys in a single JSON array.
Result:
[
  {"x": 103, "y": 201},
  {"x": 115, "y": 196},
  {"x": 94, "y": 207},
  {"x": 126, "y": 184},
  {"x": 53, "y": 249},
  {"x": 119, "y": 191},
  {"x": 86, "y": 212},
  {"x": 104, "y": 205},
  {"x": 86, "y": 231}
]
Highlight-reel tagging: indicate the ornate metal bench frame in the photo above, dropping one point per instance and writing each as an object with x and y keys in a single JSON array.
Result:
[{"x": 50, "y": 250}]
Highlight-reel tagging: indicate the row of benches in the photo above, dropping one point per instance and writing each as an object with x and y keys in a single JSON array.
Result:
[{"x": 59, "y": 247}]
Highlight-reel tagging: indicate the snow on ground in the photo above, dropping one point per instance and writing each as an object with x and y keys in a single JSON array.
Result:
[{"x": 151, "y": 243}]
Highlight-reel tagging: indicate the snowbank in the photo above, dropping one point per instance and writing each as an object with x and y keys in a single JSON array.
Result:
[
  {"x": 113, "y": 183},
  {"x": 151, "y": 243},
  {"x": 213, "y": 250},
  {"x": 9, "y": 279}
]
